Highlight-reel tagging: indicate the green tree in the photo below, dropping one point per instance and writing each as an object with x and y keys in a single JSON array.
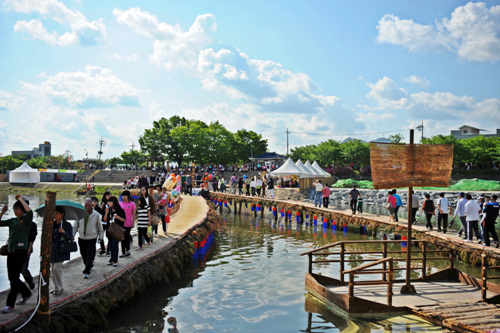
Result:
[
  {"x": 158, "y": 143},
  {"x": 396, "y": 138},
  {"x": 192, "y": 141},
  {"x": 355, "y": 151},
  {"x": 133, "y": 157},
  {"x": 114, "y": 161},
  {"x": 9, "y": 163},
  {"x": 220, "y": 144},
  {"x": 328, "y": 152},
  {"x": 248, "y": 144},
  {"x": 38, "y": 162},
  {"x": 303, "y": 153}
]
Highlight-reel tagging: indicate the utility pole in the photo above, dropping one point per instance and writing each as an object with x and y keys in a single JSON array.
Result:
[
  {"x": 132, "y": 146},
  {"x": 101, "y": 143},
  {"x": 287, "y": 132},
  {"x": 421, "y": 129}
]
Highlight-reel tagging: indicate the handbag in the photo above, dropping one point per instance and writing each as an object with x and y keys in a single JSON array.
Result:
[
  {"x": 4, "y": 250},
  {"x": 116, "y": 231},
  {"x": 67, "y": 247},
  {"x": 388, "y": 205},
  {"x": 155, "y": 219}
]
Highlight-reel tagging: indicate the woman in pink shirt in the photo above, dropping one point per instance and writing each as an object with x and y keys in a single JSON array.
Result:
[
  {"x": 326, "y": 195},
  {"x": 130, "y": 211},
  {"x": 392, "y": 200}
]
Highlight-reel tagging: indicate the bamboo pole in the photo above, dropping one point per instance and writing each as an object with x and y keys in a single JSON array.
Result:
[{"x": 46, "y": 254}]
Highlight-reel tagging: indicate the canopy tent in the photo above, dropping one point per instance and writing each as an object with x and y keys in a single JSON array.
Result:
[
  {"x": 287, "y": 169},
  {"x": 316, "y": 166},
  {"x": 24, "y": 174},
  {"x": 304, "y": 172},
  {"x": 312, "y": 170}
]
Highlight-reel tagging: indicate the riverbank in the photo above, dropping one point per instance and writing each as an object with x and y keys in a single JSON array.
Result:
[
  {"x": 100, "y": 188},
  {"x": 85, "y": 302}
]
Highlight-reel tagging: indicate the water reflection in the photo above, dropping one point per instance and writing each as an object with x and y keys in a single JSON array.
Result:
[{"x": 252, "y": 281}]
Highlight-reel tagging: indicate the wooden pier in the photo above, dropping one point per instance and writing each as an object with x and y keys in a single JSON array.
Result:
[{"x": 191, "y": 214}]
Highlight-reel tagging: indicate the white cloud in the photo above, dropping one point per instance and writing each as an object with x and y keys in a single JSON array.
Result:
[
  {"x": 386, "y": 94},
  {"x": 473, "y": 32},
  {"x": 83, "y": 32},
  {"x": 388, "y": 97},
  {"x": 125, "y": 57},
  {"x": 422, "y": 82},
  {"x": 94, "y": 87},
  {"x": 262, "y": 84},
  {"x": 9, "y": 101}
]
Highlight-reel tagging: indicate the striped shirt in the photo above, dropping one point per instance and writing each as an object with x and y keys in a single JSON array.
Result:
[{"x": 142, "y": 217}]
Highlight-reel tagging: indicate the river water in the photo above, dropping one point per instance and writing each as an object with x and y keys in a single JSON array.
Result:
[{"x": 251, "y": 281}]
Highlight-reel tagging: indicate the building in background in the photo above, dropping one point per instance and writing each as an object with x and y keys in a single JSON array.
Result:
[
  {"x": 467, "y": 132},
  {"x": 44, "y": 149}
]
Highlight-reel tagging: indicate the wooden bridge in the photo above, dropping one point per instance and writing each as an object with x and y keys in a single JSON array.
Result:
[{"x": 447, "y": 297}]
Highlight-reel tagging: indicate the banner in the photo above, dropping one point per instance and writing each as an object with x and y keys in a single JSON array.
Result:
[{"x": 416, "y": 165}]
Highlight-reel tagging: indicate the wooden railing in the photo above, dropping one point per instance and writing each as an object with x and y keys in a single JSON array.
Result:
[
  {"x": 363, "y": 269},
  {"x": 342, "y": 252},
  {"x": 484, "y": 275}
]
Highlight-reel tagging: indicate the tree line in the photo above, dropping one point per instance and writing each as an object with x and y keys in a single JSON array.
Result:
[
  {"x": 186, "y": 141},
  {"x": 479, "y": 151}
]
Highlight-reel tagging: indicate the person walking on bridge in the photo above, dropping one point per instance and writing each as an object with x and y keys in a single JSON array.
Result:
[
  {"x": 460, "y": 212},
  {"x": 19, "y": 228},
  {"x": 318, "y": 194},
  {"x": 472, "y": 213},
  {"x": 90, "y": 228},
  {"x": 491, "y": 210},
  {"x": 353, "y": 199},
  {"x": 444, "y": 208}
]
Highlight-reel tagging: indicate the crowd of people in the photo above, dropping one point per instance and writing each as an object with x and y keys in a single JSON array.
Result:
[
  {"x": 92, "y": 230},
  {"x": 477, "y": 218},
  {"x": 255, "y": 186}
]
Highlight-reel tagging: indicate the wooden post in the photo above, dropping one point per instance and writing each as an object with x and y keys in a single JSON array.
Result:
[
  {"x": 408, "y": 288},
  {"x": 384, "y": 255},
  {"x": 310, "y": 263},
  {"x": 389, "y": 285},
  {"x": 342, "y": 250},
  {"x": 351, "y": 284},
  {"x": 424, "y": 261},
  {"x": 262, "y": 211},
  {"x": 484, "y": 277},
  {"x": 46, "y": 255}
]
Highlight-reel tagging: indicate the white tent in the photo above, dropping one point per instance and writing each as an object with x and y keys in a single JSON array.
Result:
[
  {"x": 316, "y": 166},
  {"x": 303, "y": 171},
  {"x": 287, "y": 169},
  {"x": 24, "y": 174},
  {"x": 312, "y": 170}
]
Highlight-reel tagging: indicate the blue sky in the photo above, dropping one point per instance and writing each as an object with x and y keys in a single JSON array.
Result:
[{"x": 75, "y": 71}]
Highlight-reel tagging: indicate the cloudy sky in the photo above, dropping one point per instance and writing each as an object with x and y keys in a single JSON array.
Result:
[{"x": 75, "y": 71}]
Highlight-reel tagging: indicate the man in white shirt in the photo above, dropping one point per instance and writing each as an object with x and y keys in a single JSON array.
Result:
[
  {"x": 444, "y": 208},
  {"x": 472, "y": 215},
  {"x": 460, "y": 212},
  {"x": 319, "y": 193},
  {"x": 89, "y": 228}
]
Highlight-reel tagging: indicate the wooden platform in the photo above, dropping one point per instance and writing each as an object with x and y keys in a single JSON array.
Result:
[
  {"x": 462, "y": 317},
  {"x": 428, "y": 293},
  {"x": 450, "y": 304}
]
